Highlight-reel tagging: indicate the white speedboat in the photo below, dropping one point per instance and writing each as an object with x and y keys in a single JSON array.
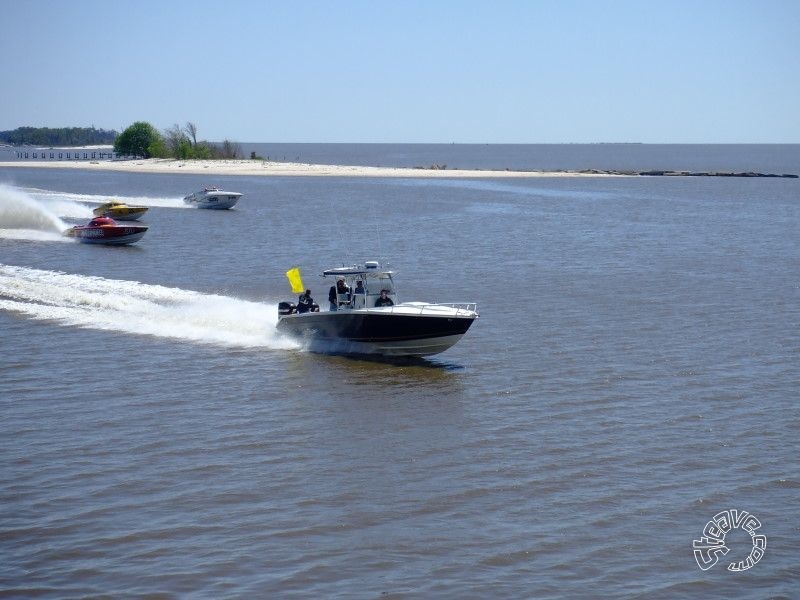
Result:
[
  {"x": 364, "y": 323},
  {"x": 212, "y": 197}
]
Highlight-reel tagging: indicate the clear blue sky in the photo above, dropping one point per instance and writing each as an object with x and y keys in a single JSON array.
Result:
[{"x": 547, "y": 71}]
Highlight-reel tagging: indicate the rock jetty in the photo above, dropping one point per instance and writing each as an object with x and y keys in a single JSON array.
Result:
[{"x": 660, "y": 173}]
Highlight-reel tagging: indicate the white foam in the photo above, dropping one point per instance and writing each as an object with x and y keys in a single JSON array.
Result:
[
  {"x": 35, "y": 235},
  {"x": 137, "y": 308},
  {"x": 53, "y": 196},
  {"x": 20, "y": 211}
]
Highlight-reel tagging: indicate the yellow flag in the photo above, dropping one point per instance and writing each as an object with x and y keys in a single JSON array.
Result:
[{"x": 295, "y": 280}]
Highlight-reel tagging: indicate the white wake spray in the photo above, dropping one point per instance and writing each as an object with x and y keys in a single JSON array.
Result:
[
  {"x": 22, "y": 216},
  {"x": 133, "y": 307},
  {"x": 36, "y": 214},
  {"x": 69, "y": 201}
]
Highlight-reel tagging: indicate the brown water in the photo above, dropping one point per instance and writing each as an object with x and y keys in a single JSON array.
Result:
[{"x": 634, "y": 372}]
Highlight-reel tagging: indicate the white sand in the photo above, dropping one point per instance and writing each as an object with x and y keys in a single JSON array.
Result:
[{"x": 266, "y": 168}]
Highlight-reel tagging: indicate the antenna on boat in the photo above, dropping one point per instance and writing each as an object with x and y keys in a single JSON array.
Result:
[
  {"x": 341, "y": 231},
  {"x": 378, "y": 240}
]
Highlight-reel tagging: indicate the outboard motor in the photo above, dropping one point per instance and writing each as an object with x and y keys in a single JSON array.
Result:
[{"x": 286, "y": 308}]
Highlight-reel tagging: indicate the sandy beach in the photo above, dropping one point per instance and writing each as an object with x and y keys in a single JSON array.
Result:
[{"x": 282, "y": 169}]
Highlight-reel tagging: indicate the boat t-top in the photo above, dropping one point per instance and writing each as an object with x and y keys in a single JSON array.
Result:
[
  {"x": 212, "y": 197},
  {"x": 365, "y": 316}
]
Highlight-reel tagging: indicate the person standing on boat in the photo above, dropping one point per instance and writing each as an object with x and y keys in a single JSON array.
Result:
[
  {"x": 384, "y": 300},
  {"x": 305, "y": 303},
  {"x": 359, "y": 297},
  {"x": 339, "y": 294},
  {"x": 343, "y": 290},
  {"x": 332, "y": 298}
]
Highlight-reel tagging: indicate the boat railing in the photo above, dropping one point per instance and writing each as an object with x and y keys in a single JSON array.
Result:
[
  {"x": 423, "y": 306},
  {"x": 473, "y": 306}
]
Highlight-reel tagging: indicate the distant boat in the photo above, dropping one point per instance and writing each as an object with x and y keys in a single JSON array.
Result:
[
  {"x": 105, "y": 230},
  {"x": 365, "y": 322},
  {"x": 213, "y": 197},
  {"x": 119, "y": 211}
]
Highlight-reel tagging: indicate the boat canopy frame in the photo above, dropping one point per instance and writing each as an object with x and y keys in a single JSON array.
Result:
[{"x": 370, "y": 274}]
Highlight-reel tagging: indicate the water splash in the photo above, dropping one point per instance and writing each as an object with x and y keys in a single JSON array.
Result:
[
  {"x": 132, "y": 307},
  {"x": 89, "y": 201},
  {"x": 22, "y": 216}
]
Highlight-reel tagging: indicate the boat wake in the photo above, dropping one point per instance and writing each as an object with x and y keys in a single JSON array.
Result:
[
  {"x": 90, "y": 201},
  {"x": 24, "y": 217},
  {"x": 35, "y": 214},
  {"x": 132, "y": 307}
]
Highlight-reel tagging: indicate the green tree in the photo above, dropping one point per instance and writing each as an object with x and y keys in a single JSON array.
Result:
[
  {"x": 137, "y": 140},
  {"x": 185, "y": 149},
  {"x": 158, "y": 149},
  {"x": 178, "y": 145},
  {"x": 203, "y": 150}
]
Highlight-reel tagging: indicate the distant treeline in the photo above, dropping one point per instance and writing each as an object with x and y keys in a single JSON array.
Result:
[{"x": 58, "y": 136}]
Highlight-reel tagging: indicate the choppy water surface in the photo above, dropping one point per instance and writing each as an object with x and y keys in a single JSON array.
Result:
[{"x": 633, "y": 373}]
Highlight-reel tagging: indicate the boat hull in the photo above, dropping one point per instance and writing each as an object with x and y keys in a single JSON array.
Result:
[
  {"x": 396, "y": 331},
  {"x": 130, "y": 213},
  {"x": 213, "y": 201},
  {"x": 109, "y": 236}
]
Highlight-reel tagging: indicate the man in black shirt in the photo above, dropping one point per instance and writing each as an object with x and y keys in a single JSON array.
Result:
[
  {"x": 305, "y": 302},
  {"x": 384, "y": 300}
]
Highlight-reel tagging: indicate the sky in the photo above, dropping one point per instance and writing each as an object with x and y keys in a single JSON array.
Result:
[{"x": 535, "y": 71}]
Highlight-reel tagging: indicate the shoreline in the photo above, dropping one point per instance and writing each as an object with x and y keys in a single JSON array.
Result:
[{"x": 263, "y": 168}]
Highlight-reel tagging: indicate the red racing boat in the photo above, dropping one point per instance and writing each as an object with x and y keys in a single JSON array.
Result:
[{"x": 105, "y": 230}]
